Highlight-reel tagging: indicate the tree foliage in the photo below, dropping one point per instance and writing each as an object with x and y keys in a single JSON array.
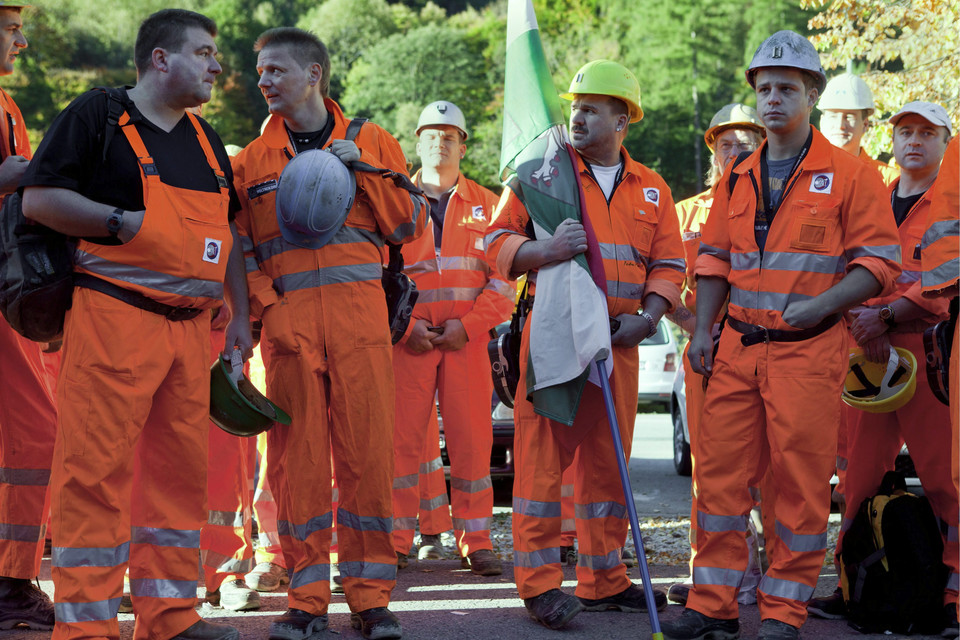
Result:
[{"x": 904, "y": 49}]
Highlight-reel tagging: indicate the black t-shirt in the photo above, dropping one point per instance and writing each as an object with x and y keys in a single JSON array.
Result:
[
  {"x": 902, "y": 206},
  {"x": 71, "y": 156}
]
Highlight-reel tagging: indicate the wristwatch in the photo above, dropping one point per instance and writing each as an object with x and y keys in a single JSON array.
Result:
[
  {"x": 115, "y": 221},
  {"x": 888, "y": 316},
  {"x": 649, "y": 318}
]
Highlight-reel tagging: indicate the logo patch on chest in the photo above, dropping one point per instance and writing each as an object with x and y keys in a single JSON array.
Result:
[
  {"x": 211, "y": 250},
  {"x": 652, "y": 195},
  {"x": 478, "y": 213},
  {"x": 821, "y": 183},
  {"x": 261, "y": 189}
]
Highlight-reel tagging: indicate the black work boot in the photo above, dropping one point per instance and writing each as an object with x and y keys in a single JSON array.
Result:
[
  {"x": 203, "y": 630},
  {"x": 771, "y": 629},
  {"x": 630, "y": 600},
  {"x": 376, "y": 623},
  {"x": 553, "y": 608},
  {"x": 23, "y": 603},
  {"x": 297, "y": 624},
  {"x": 831, "y": 607},
  {"x": 693, "y": 625}
]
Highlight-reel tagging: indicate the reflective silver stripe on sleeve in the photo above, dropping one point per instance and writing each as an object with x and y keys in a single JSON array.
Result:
[
  {"x": 183, "y": 538},
  {"x": 450, "y": 294},
  {"x": 433, "y": 503},
  {"x": 463, "y": 263},
  {"x": 763, "y": 300},
  {"x": 909, "y": 277},
  {"x": 250, "y": 264},
  {"x": 225, "y": 518},
  {"x": 799, "y": 542},
  {"x": 611, "y": 560},
  {"x": 887, "y": 252},
  {"x": 719, "y": 524},
  {"x": 363, "y": 523},
  {"x": 404, "y": 524},
  {"x": 805, "y": 262},
  {"x": 303, "y": 531},
  {"x": 309, "y": 575},
  {"x": 246, "y": 243},
  {"x": 472, "y": 525},
  {"x": 160, "y": 588},
  {"x": 406, "y": 482},
  {"x": 599, "y": 510},
  {"x": 430, "y": 467},
  {"x": 408, "y": 229},
  {"x": 534, "y": 559},
  {"x": 706, "y": 249},
  {"x": 718, "y": 576},
  {"x": 536, "y": 509},
  {"x": 942, "y": 275},
  {"x": 328, "y": 275},
  {"x": 676, "y": 264},
  {"x": 368, "y": 570},
  {"x": 191, "y": 287},
  {"x": 72, "y": 557},
  {"x": 20, "y": 532},
  {"x": 940, "y": 229},
  {"x": 25, "y": 477},
  {"x": 74, "y": 612},
  {"x": 470, "y": 486},
  {"x": 785, "y": 589},
  {"x": 490, "y": 237}
]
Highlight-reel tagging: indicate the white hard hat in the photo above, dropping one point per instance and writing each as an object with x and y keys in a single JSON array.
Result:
[
  {"x": 787, "y": 49},
  {"x": 442, "y": 112},
  {"x": 845, "y": 92},
  {"x": 314, "y": 196}
]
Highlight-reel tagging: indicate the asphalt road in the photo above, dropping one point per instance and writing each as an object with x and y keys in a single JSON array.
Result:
[{"x": 438, "y": 600}]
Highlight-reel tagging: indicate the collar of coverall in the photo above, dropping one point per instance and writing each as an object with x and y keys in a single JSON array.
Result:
[
  {"x": 463, "y": 189},
  {"x": 818, "y": 157},
  {"x": 275, "y": 134},
  {"x": 629, "y": 164}
]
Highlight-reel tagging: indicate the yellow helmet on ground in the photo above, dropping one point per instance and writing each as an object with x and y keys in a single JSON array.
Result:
[
  {"x": 880, "y": 387},
  {"x": 607, "y": 78}
]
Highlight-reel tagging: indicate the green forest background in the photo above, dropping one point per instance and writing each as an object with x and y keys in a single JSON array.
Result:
[{"x": 390, "y": 59}]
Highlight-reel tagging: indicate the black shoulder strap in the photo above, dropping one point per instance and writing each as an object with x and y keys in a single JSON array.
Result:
[
  {"x": 115, "y": 109},
  {"x": 733, "y": 174},
  {"x": 353, "y": 129}
]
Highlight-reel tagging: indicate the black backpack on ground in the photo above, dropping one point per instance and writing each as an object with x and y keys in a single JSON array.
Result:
[
  {"x": 891, "y": 566},
  {"x": 36, "y": 263}
]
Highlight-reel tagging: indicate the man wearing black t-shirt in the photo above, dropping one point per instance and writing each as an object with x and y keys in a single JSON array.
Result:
[{"x": 148, "y": 193}]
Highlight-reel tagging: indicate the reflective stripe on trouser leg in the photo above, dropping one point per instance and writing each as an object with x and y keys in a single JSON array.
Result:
[
  {"x": 28, "y": 426},
  {"x": 129, "y": 464},
  {"x": 694, "y": 392},
  {"x": 265, "y": 512},
  {"x": 416, "y": 381},
  {"x": 226, "y": 549},
  {"x": 434, "y": 502},
  {"x": 568, "y": 526},
  {"x": 465, "y": 409},
  {"x": 601, "y": 513}
]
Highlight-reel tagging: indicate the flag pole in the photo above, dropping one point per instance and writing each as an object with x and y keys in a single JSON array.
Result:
[{"x": 628, "y": 498}]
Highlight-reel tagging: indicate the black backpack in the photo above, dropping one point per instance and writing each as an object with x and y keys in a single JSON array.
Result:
[
  {"x": 36, "y": 263},
  {"x": 891, "y": 566}
]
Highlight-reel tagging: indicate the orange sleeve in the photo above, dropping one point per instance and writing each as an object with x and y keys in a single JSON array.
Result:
[
  {"x": 666, "y": 268},
  {"x": 507, "y": 231},
  {"x": 260, "y": 287}
]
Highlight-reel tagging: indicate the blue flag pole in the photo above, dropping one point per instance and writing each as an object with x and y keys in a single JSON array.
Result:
[{"x": 628, "y": 498}]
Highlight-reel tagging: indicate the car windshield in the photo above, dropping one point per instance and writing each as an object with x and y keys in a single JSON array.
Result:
[{"x": 660, "y": 337}]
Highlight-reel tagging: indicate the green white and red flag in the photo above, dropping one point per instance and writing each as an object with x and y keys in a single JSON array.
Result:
[{"x": 570, "y": 327}]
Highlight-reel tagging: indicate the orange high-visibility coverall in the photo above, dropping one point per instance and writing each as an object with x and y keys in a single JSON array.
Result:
[
  {"x": 28, "y": 419},
  {"x": 265, "y": 512},
  {"x": 326, "y": 348},
  {"x": 457, "y": 284},
  {"x": 924, "y": 423},
  {"x": 940, "y": 278},
  {"x": 226, "y": 545},
  {"x": 888, "y": 172},
  {"x": 642, "y": 254},
  {"x": 780, "y": 398},
  {"x": 434, "y": 503},
  {"x": 129, "y": 469}
]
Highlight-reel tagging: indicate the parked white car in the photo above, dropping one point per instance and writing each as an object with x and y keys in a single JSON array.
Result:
[{"x": 658, "y": 366}]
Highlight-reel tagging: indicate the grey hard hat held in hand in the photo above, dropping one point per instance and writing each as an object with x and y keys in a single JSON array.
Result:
[
  {"x": 314, "y": 196},
  {"x": 787, "y": 49}
]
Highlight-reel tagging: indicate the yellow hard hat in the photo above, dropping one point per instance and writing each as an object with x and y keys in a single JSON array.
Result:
[
  {"x": 880, "y": 387},
  {"x": 607, "y": 78},
  {"x": 733, "y": 116}
]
